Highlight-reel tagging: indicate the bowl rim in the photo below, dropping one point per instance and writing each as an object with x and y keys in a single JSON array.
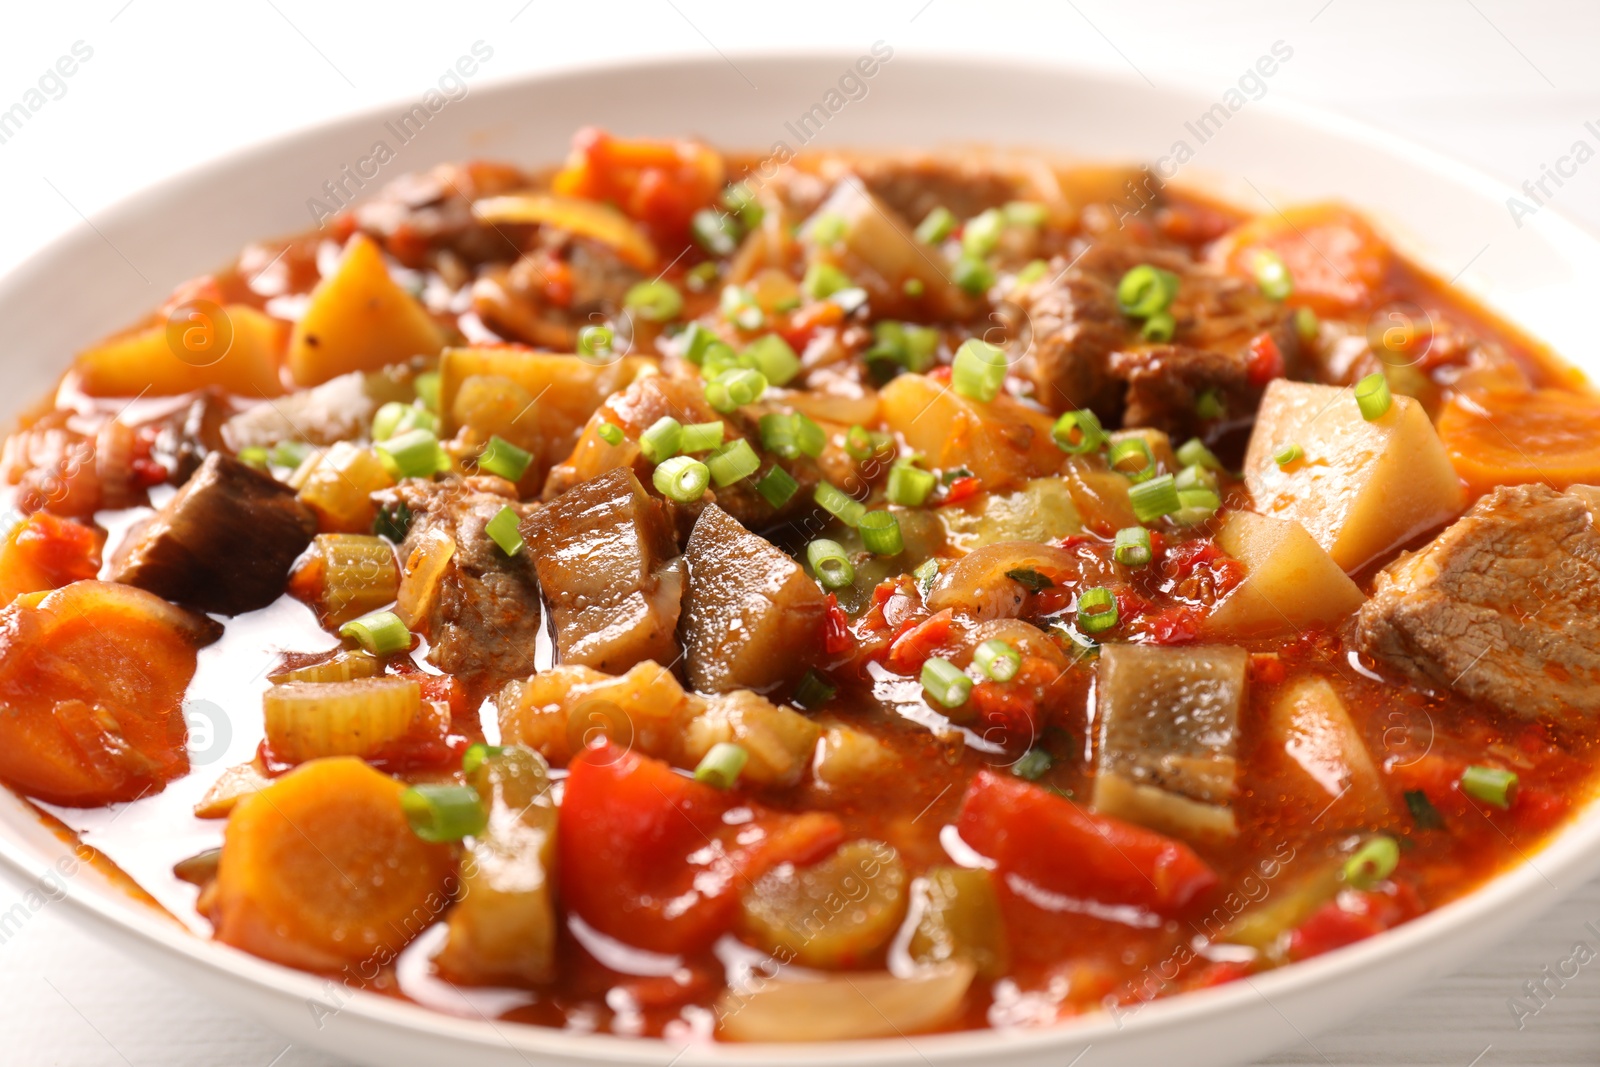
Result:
[{"x": 1571, "y": 851}]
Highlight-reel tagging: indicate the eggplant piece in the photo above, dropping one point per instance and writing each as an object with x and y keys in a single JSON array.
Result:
[
  {"x": 223, "y": 544},
  {"x": 751, "y": 619},
  {"x": 1169, "y": 733},
  {"x": 610, "y": 571}
]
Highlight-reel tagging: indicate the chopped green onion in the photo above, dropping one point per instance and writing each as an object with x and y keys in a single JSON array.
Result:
[
  {"x": 828, "y": 230},
  {"x": 1032, "y": 579},
  {"x": 662, "y": 440},
  {"x": 721, "y": 766},
  {"x": 290, "y": 453},
  {"x": 715, "y": 231},
  {"x": 860, "y": 443},
  {"x": 253, "y": 455},
  {"x": 904, "y": 344},
  {"x": 1423, "y": 813},
  {"x": 595, "y": 342},
  {"x": 380, "y": 633},
  {"x": 880, "y": 532},
  {"x": 830, "y": 563},
  {"x": 505, "y": 459},
  {"x": 738, "y": 198},
  {"x": 1026, "y": 213},
  {"x": 1155, "y": 498},
  {"x": 912, "y": 287},
  {"x": 1306, "y": 324},
  {"x": 1372, "y": 396},
  {"x": 1208, "y": 405},
  {"x": 694, "y": 341},
  {"x": 1032, "y": 272},
  {"x": 908, "y": 486},
  {"x": 739, "y": 306},
  {"x": 610, "y": 433},
  {"x": 926, "y": 574},
  {"x": 972, "y": 276},
  {"x": 1372, "y": 862},
  {"x": 444, "y": 813},
  {"x": 1489, "y": 784},
  {"x": 476, "y": 754},
  {"x": 700, "y": 436},
  {"x": 733, "y": 462},
  {"x": 1032, "y": 765},
  {"x": 655, "y": 301},
  {"x": 387, "y": 420},
  {"x": 1194, "y": 453},
  {"x": 774, "y": 358},
  {"x": 503, "y": 529},
  {"x": 982, "y": 233},
  {"x": 936, "y": 226},
  {"x": 1132, "y": 449},
  {"x": 822, "y": 280},
  {"x": 1288, "y": 454},
  {"x": 1272, "y": 275},
  {"x": 1078, "y": 432},
  {"x": 780, "y": 433},
  {"x": 719, "y": 357},
  {"x": 997, "y": 660},
  {"x": 682, "y": 479},
  {"x": 808, "y": 436},
  {"x": 702, "y": 276},
  {"x": 1195, "y": 506},
  {"x": 1097, "y": 610},
  {"x": 777, "y": 486},
  {"x": 732, "y": 389},
  {"x": 1195, "y": 477},
  {"x": 838, "y": 503},
  {"x": 1159, "y": 327},
  {"x": 979, "y": 370},
  {"x": 945, "y": 682},
  {"x": 1132, "y": 546},
  {"x": 1145, "y": 290},
  {"x": 426, "y": 386},
  {"x": 813, "y": 691},
  {"x": 413, "y": 454}
]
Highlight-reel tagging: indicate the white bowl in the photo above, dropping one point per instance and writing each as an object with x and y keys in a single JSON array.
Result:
[{"x": 1541, "y": 275}]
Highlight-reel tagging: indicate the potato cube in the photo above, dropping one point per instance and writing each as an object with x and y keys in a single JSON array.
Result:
[
  {"x": 1310, "y": 725},
  {"x": 1290, "y": 582},
  {"x": 1362, "y": 488},
  {"x": 1003, "y": 442}
]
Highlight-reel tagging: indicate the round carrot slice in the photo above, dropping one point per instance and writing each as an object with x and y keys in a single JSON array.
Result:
[
  {"x": 1517, "y": 437},
  {"x": 1336, "y": 260},
  {"x": 321, "y": 871}
]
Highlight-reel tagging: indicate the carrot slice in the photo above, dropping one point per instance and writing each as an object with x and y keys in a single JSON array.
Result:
[
  {"x": 1516, "y": 437},
  {"x": 45, "y": 552},
  {"x": 321, "y": 871},
  {"x": 1338, "y": 263},
  {"x": 92, "y": 678}
]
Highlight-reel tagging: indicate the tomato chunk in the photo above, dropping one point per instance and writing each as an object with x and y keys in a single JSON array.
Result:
[
  {"x": 1060, "y": 850},
  {"x": 657, "y": 860}
]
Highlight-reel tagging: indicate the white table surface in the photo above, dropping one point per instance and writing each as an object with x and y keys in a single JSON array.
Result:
[{"x": 1507, "y": 86}]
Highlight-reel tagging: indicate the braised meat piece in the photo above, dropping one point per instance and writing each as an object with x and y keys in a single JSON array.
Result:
[
  {"x": 1501, "y": 607},
  {"x": 223, "y": 544},
  {"x": 482, "y": 620},
  {"x": 1075, "y": 326},
  {"x": 751, "y": 619},
  {"x": 610, "y": 571},
  {"x": 417, "y": 215},
  {"x": 915, "y": 186}
]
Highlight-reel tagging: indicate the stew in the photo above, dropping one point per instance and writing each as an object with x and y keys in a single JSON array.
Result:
[{"x": 688, "y": 593}]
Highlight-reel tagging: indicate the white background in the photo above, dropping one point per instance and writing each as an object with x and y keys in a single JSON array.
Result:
[{"x": 171, "y": 84}]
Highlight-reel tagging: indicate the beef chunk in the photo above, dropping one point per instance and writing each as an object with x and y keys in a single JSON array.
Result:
[
  {"x": 1500, "y": 607},
  {"x": 418, "y": 214},
  {"x": 914, "y": 187},
  {"x": 609, "y": 568},
  {"x": 1075, "y": 327},
  {"x": 224, "y": 543},
  {"x": 752, "y": 619},
  {"x": 1169, "y": 730},
  {"x": 483, "y": 620}
]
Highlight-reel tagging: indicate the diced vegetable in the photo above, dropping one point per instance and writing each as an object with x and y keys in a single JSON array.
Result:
[
  {"x": 560, "y": 711},
  {"x": 958, "y": 918},
  {"x": 1513, "y": 438},
  {"x": 996, "y": 581},
  {"x": 44, "y": 552},
  {"x": 422, "y": 571},
  {"x": 1003, "y": 442},
  {"x": 1308, "y": 723},
  {"x": 847, "y": 1007},
  {"x": 359, "y": 319},
  {"x": 321, "y": 870},
  {"x": 1169, "y": 735},
  {"x": 1290, "y": 583},
  {"x": 238, "y": 350},
  {"x": 879, "y": 249},
  {"x": 847, "y": 756},
  {"x": 343, "y": 576},
  {"x": 582, "y": 218},
  {"x": 232, "y": 786},
  {"x": 778, "y": 742},
  {"x": 646, "y": 855},
  {"x": 1266, "y": 926},
  {"x": 1336, "y": 260},
  {"x": 92, "y": 678},
  {"x": 344, "y": 665},
  {"x": 503, "y": 929},
  {"x": 1053, "y": 845},
  {"x": 366, "y": 717},
  {"x": 339, "y": 488},
  {"x": 1042, "y": 510},
  {"x": 1366, "y": 486},
  {"x": 835, "y": 914}
]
